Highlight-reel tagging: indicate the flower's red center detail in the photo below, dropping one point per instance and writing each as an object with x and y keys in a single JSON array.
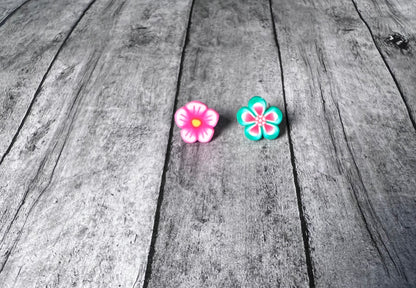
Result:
[
  {"x": 196, "y": 123},
  {"x": 260, "y": 120}
]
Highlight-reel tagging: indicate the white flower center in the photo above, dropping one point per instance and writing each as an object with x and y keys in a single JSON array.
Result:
[{"x": 260, "y": 120}]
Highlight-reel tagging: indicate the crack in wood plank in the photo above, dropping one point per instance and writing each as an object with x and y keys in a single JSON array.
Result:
[
  {"x": 396, "y": 82},
  {"x": 148, "y": 272},
  {"x": 9, "y": 14},
  {"x": 98, "y": 134},
  {"x": 229, "y": 215},
  {"x": 303, "y": 222},
  {"x": 37, "y": 180},
  {"x": 355, "y": 167},
  {"x": 19, "y": 128}
]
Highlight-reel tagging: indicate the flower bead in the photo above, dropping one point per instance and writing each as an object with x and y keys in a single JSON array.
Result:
[
  {"x": 196, "y": 121},
  {"x": 260, "y": 121}
]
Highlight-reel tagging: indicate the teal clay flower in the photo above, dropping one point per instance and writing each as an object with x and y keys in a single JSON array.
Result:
[{"x": 258, "y": 121}]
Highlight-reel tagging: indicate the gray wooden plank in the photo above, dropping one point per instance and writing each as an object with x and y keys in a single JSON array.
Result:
[
  {"x": 80, "y": 184},
  {"x": 9, "y": 7},
  {"x": 229, "y": 215},
  {"x": 393, "y": 26},
  {"x": 354, "y": 147},
  {"x": 29, "y": 42}
]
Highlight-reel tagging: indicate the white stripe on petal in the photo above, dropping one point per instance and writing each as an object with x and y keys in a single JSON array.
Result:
[
  {"x": 181, "y": 117},
  {"x": 211, "y": 117},
  {"x": 196, "y": 107},
  {"x": 205, "y": 135},
  {"x": 188, "y": 135}
]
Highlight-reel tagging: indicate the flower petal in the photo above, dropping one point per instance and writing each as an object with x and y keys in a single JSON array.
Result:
[
  {"x": 273, "y": 115},
  {"x": 245, "y": 116},
  {"x": 211, "y": 117},
  {"x": 188, "y": 135},
  {"x": 182, "y": 117},
  {"x": 205, "y": 134},
  {"x": 270, "y": 131},
  {"x": 196, "y": 107},
  {"x": 253, "y": 132},
  {"x": 258, "y": 105}
]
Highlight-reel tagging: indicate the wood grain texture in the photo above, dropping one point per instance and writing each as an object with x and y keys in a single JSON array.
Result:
[
  {"x": 29, "y": 41},
  {"x": 354, "y": 147},
  {"x": 391, "y": 21},
  {"x": 9, "y": 7},
  {"x": 79, "y": 186},
  {"x": 229, "y": 215}
]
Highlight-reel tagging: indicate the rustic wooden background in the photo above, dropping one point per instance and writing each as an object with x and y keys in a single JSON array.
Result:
[{"x": 98, "y": 190}]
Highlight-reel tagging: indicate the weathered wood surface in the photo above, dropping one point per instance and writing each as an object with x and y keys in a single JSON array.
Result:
[
  {"x": 229, "y": 214},
  {"x": 29, "y": 42},
  {"x": 80, "y": 183},
  {"x": 393, "y": 27},
  {"x": 9, "y": 7},
  {"x": 98, "y": 190},
  {"x": 354, "y": 146}
]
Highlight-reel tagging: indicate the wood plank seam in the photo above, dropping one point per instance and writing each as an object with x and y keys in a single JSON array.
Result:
[
  {"x": 326, "y": 44},
  {"x": 229, "y": 217},
  {"x": 148, "y": 272},
  {"x": 43, "y": 80},
  {"x": 303, "y": 223},
  {"x": 363, "y": 211},
  {"x": 14, "y": 11},
  {"x": 385, "y": 63},
  {"x": 112, "y": 132},
  {"x": 74, "y": 107}
]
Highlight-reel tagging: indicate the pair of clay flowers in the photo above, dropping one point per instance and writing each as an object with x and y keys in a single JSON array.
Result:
[{"x": 197, "y": 121}]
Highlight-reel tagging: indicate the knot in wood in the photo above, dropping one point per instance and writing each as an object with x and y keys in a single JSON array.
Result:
[{"x": 398, "y": 41}]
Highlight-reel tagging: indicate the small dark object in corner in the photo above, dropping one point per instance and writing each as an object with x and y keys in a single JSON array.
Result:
[{"x": 398, "y": 40}]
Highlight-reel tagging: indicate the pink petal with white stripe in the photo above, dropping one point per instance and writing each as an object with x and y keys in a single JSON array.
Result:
[
  {"x": 205, "y": 134},
  {"x": 182, "y": 117},
  {"x": 196, "y": 107},
  {"x": 211, "y": 117},
  {"x": 189, "y": 135}
]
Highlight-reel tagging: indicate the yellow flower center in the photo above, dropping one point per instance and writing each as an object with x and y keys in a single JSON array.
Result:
[{"x": 196, "y": 123}]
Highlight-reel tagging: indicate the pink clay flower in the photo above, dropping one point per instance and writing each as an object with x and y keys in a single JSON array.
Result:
[{"x": 196, "y": 121}]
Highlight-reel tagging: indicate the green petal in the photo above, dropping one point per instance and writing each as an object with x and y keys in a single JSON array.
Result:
[
  {"x": 258, "y": 105},
  {"x": 253, "y": 132},
  {"x": 273, "y": 115},
  {"x": 270, "y": 131},
  {"x": 245, "y": 116}
]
